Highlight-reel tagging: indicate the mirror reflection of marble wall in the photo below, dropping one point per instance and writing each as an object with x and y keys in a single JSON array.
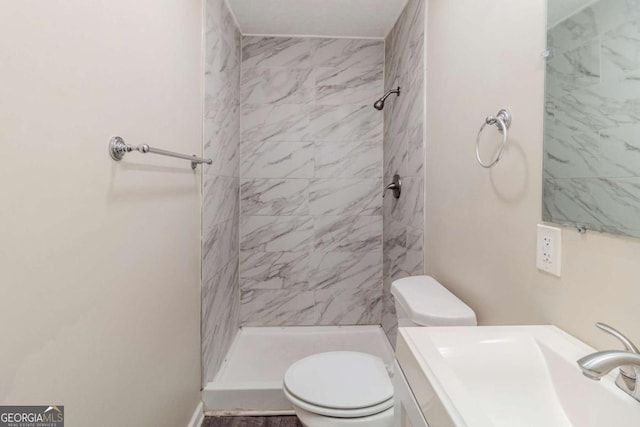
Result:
[{"x": 592, "y": 117}]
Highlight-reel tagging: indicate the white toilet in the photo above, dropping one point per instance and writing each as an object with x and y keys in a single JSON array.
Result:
[
  {"x": 346, "y": 388},
  {"x": 423, "y": 301}
]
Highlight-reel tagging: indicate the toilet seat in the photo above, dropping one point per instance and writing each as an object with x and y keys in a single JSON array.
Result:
[
  {"x": 309, "y": 419},
  {"x": 338, "y": 413},
  {"x": 341, "y": 384}
]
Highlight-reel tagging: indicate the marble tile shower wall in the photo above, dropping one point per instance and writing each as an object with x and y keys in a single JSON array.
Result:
[
  {"x": 404, "y": 118},
  {"x": 592, "y": 120},
  {"x": 220, "y": 183},
  {"x": 311, "y": 179}
]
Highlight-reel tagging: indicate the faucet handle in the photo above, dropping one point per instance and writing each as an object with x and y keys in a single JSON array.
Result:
[
  {"x": 629, "y": 372},
  {"x": 629, "y": 346},
  {"x": 396, "y": 186}
]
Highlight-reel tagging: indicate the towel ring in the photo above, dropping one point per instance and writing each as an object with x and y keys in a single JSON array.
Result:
[{"x": 502, "y": 120}]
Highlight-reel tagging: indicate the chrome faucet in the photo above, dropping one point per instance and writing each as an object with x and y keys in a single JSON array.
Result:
[{"x": 599, "y": 364}]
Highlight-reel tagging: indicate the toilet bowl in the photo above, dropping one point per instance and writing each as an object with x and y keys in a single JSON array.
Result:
[{"x": 345, "y": 388}]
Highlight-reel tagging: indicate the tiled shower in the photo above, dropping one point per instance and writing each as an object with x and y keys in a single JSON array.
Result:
[
  {"x": 220, "y": 187},
  {"x": 404, "y": 153},
  {"x": 295, "y": 232},
  {"x": 310, "y": 182}
]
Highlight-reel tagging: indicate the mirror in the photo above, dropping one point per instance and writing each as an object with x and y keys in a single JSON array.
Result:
[{"x": 592, "y": 115}]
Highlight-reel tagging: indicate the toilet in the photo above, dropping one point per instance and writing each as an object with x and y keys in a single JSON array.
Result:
[
  {"x": 347, "y": 388},
  {"x": 340, "y": 388},
  {"x": 423, "y": 301}
]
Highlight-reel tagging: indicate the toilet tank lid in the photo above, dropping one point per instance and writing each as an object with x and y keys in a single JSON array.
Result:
[{"x": 428, "y": 303}]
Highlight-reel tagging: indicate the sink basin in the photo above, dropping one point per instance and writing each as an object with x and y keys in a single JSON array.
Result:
[{"x": 508, "y": 376}]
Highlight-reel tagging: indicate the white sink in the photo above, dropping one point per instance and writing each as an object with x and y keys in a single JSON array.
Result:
[{"x": 508, "y": 376}]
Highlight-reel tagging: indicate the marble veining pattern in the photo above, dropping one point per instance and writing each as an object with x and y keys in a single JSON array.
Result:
[
  {"x": 347, "y": 86},
  {"x": 269, "y": 159},
  {"x": 344, "y": 269},
  {"x": 342, "y": 306},
  {"x": 606, "y": 204},
  {"x": 220, "y": 199},
  {"x": 275, "y": 122},
  {"x": 274, "y": 270},
  {"x": 349, "y": 306},
  {"x": 277, "y": 85},
  {"x": 276, "y": 233},
  {"x": 403, "y": 153},
  {"x": 621, "y": 51},
  {"x": 310, "y": 181},
  {"x": 347, "y": 233},
  {"x": 221, "y": 323},
  {"x": 348, "y": 53},
  {"x": 345, "y": 196},
  {"x": 348, "y": 159},
  {"x": 263, "y": 196},
  {"x": 220, "y": 245},
  {"x": 345, "y": 123},
  {"x": 290, "y": 52},
  {"x": 290, "y": 307},
  {"x": 592, "y": 119},
  {"x": 220, "y": 187}
]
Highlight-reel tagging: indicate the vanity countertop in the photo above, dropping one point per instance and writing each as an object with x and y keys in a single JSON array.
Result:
[{"x": 508, "y": 376}]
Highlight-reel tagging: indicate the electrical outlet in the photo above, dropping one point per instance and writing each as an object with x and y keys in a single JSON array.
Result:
[{"x": 549, "y": 249}]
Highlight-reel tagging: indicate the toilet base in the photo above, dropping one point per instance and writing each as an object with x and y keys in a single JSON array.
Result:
[{"x": 309, "y": 419}]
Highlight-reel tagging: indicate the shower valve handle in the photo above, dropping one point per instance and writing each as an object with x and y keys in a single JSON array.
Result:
[{"x": 396, "y": 186}]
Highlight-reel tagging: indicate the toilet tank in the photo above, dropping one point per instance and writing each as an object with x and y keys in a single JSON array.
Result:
[{"x": 423, "y": 301}]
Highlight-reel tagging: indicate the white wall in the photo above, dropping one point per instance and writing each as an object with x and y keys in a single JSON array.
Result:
[
  {"x": 481, "y": 225},
  {"x": 100, "y": 262}
]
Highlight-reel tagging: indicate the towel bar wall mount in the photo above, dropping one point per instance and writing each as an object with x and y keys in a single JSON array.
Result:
[{"x": 118, "y": 148}]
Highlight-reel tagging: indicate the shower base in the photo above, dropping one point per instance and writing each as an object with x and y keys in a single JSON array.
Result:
[{"x": 250, "y": 379}]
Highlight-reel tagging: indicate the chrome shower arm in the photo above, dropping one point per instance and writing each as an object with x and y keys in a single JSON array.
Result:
[{"x": 379, "y": 104}]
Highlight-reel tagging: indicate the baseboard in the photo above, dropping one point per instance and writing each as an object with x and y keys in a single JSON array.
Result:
[{"x": 198, "y": 416}]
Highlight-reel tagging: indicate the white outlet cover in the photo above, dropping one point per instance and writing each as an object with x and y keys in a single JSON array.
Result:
[{"x": 549, "y": 249}]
